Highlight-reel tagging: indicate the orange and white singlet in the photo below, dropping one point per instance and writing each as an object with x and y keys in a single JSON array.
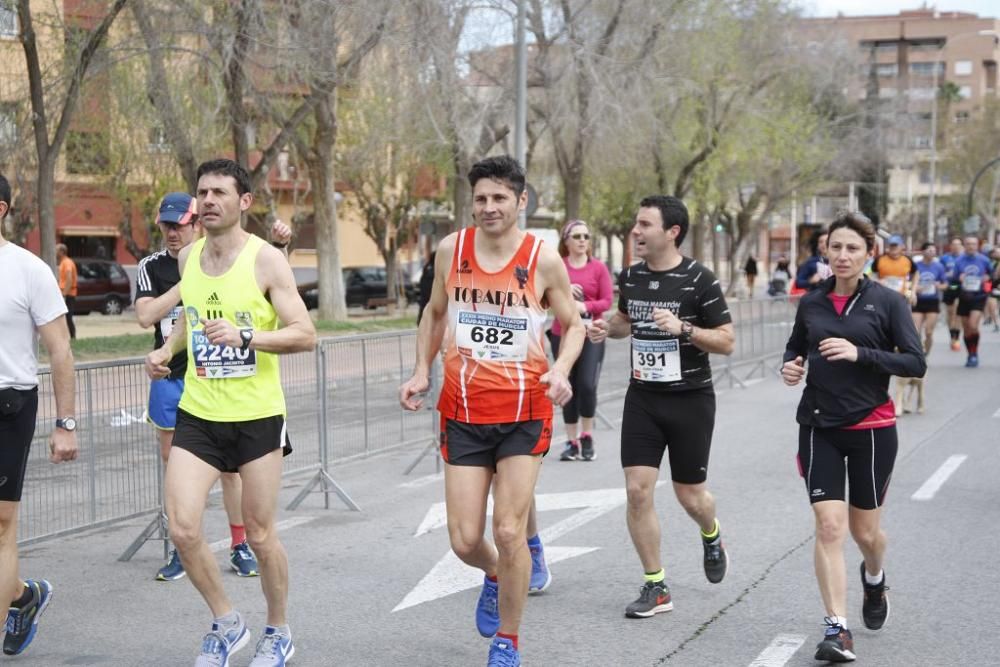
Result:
[{"x": 493, "y": 348}]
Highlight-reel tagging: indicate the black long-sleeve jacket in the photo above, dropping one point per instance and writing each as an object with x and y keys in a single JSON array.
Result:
[{"x": 877, "y": 321}]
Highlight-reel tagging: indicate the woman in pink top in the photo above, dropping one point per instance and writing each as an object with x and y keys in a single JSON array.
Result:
[{"x": 591, "y": 285}]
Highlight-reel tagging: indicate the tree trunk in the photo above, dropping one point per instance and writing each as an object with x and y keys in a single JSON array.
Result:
[
  {"x": 46, "y": 202},
  {"x": 461, "y": 194},
  {"x": 332, "y": 305},
  {"x": 573, "y": 183},
  {"x": 697, "y": 232},
  {"x": 391, "y": 283}
]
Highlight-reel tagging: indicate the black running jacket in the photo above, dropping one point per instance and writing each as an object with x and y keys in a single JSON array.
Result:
[{"x": 878, "y": 322}]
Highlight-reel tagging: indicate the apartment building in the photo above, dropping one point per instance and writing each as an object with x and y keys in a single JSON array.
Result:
[{"x": 903, "y": 59}]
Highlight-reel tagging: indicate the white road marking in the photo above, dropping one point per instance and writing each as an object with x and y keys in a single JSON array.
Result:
[
  {"x": 422, "y": 481},
  {"x": 940, "y": 476},
  {"x": 223, "y": 545},
  {"x": 779, "y": 651},
  {"x": 996, "y": 415}
]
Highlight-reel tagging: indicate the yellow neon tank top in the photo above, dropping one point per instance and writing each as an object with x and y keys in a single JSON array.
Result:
[{"x": 223, "y": 383}]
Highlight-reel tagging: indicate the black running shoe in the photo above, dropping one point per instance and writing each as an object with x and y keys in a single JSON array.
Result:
[
  {"x": 837, "y": 644},
  {"x": 654, "y": 598},
  {"x": 571, "y": 453},
  {"x": 716, "y": 560},
  {"x": 587, "y": 448},
  {"x": 875, "y": 609}
]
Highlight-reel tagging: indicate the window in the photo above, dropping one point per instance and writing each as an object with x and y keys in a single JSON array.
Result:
[
  {"x": 8, "y": 124},
  {"x": 886, "y": 93},
  {"x": 963, "y": 67},
  {"x": 961, "y": 116},
  {"x": 886, "y": 69},
  {"x": 965, "y": 92},
  {"x": 8, "y": 20},
  {"x": 158, "y": 140},
  {"x": 87, "y": 153},
  {"x": 921, "y": 142},
  {"x": 925, "y": 174},
  {"x": 927, "y": 69},
  {"x": 921, "y": 93}
]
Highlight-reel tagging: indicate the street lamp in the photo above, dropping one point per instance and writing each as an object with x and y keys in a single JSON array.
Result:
[{"x": 931, "y": 208}]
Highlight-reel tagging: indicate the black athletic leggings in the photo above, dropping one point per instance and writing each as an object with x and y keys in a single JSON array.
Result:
[{"x": 583, "y": 379}]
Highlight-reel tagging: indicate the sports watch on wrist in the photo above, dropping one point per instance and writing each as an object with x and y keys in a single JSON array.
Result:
[
  {"x": 66, "y": 424},
  {"x": 246, "y": 335}
]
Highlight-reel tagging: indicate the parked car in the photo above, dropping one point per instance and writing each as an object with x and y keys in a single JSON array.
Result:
[
  {"x": 102, "y": 285},
  {"x": 364, "y": 286}
]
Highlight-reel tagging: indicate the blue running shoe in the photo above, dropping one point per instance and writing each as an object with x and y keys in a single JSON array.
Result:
[
  {"x": 274, "y": 649},
  {"x": 972, "y": 361},
  {"x": 242, "y": 560},
  {"x": 540, "y": 575},
  {"x": 173, "y": 570},
  {"x": 22, "y": 622},
  {"x": 218, "y": 646},
  {"x": 503, "y": 654},
  {"x": 488, "y": 609}
]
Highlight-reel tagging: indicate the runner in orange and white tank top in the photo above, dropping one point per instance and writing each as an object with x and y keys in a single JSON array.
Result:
[
  {"x": 492, "y": 285},
  {"x": 493, "y": 347}
]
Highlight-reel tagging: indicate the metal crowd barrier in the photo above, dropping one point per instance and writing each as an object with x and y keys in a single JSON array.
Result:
[{"x": 342, "y": 405}]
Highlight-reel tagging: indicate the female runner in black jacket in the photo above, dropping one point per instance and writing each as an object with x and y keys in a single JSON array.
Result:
[{"x": 855, "y": 334}]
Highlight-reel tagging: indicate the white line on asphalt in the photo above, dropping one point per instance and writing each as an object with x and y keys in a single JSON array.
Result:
[
  {"x": 422, "y": 481},
  {"x": 779, "y": 651},
  {"x": 940, "y": 476},
  {"x": 223, "y": 545},
  {"x": 996, "y": 415}
]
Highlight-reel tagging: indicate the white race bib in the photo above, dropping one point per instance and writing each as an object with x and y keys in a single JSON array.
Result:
[
  {"x": 656, "y": 360},
  {"x": 927, "y": 287},
  {"x": 221, "y": 361},
  {"x": 492, "y": 337},
  {"x": 972, "y": 283},
  {"x": 894, "y": 283},
  {"x": 168, "y": 322}
]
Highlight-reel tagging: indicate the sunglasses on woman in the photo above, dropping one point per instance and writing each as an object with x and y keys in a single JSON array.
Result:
[{"x": 580, "y": 237}]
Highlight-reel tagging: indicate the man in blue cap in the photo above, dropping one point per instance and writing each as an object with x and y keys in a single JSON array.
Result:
[{"x": 158, "y": 305}]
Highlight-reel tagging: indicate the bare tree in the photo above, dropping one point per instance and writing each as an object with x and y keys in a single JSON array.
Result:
[{"x": 52, "y": 113}]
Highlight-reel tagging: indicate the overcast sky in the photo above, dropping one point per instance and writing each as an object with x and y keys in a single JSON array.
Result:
[{"x": 985, "y": 8}]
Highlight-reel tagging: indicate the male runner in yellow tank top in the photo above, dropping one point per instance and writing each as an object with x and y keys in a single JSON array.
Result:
[{"x": 235, "y": 289}]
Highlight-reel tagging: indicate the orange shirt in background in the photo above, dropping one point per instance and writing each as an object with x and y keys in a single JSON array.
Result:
[{"x": 67, "y": 277}]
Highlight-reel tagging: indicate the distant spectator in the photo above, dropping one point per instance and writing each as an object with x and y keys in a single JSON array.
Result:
[
  {"x": 814, "y": 270},
  {"x": 426, "y": 283},
  {"x": 67, "y": 284},
  {"x": 750, "y": 271}
]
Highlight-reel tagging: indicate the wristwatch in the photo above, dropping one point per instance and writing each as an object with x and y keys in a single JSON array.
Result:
[
  {"x": 687, "y": 329},
  {"x": 66, "y": 424},
  {"x": 246, "y": 335}
]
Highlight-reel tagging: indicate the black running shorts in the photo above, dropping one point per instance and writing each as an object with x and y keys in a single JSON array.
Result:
[
  {"x": 680, "y": 423},
  {"x": 870, "y": 456},
  {"x": 18, "y": 409},
  {"x": 927, "y": 306},
  {"x": 967, "y": 305},
  {"x": 482, "y": 445},
  {"x": 950, "y": 296},
  {"x": 227, "y": 445}
]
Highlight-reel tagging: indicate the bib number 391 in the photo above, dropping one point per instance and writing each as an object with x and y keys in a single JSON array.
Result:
[
  {"x": 656, "y": 360},
  {"x": 221, "y": 361}
]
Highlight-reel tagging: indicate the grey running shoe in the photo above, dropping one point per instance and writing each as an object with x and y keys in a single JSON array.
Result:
[
  {"x": 218, "y": 645},
  {"x": 875, "y": 608},
  {"x": 654, "y": 598},
  {"x": 837, "y": 644},
  {"x": 274, "y": 649},
  {"x": 571, "y": 453},
  {"x": 716, "y": 560},
  {"x": 587, "y": 452}
]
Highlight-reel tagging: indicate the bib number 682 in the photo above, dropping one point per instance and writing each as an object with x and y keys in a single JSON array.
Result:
[{"x": 491, "y": 335}]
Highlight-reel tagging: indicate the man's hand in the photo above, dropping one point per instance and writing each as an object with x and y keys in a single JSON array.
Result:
[
  {"x": 221, "y": 332},
  {"x": 793, "y": 371},
  {"x": 665, "y": 320},
  {"x": 281, "y": 233},
  {"x": 597, "y": 332},
  {"x": 838, "y": 349},
  {"x": 559, "y": 391},
  {"x": 412, "y": 392},
  {"x": 156, "y": 363},
  {"x": 62, "y": 446}
]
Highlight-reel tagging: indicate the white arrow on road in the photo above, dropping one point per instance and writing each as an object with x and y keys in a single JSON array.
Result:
[{"x": 450, "y": 575}]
